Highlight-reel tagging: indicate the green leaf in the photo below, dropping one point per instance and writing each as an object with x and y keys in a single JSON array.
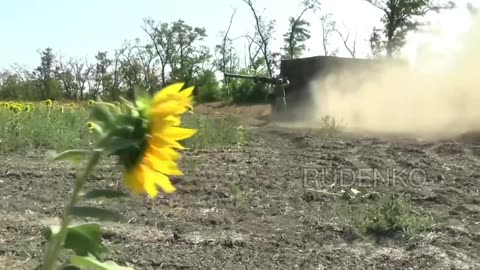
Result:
[
  {"x": 118, "y": 144},
  {"x": 97, "y": 127},
  {"x": 101, "y": 113},
  {"x": 104, "y": 193},
  {"x": 74, "y": 155},
  {"x": 102, "y": 214},
  {"x": 93, "y": 263},
  {"x": 83, "y": 239},
  {"x": 143, "y": 100},
  {"x": 117, "y": 139}
]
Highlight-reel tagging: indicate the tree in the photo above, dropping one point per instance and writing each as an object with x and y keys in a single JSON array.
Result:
[
  {"x": 472, "y": 9},
  {"x": 45, "y": 74},
  {"x": 161, "y": 35},
  {"x": 225, "y": 50},
  {"x": 264, "y": 32},
  {"x": 376, "y": 46},
  {"x": 351, "y": 48},
  {"x": 298, "y": 32},
  {"x": 401, "y": 17},
  {"x": 65, "y": 75},
  {"x": 102, "y": 77},
  {"x": 254, "y": 61},
  {"x": 187, "y": 56},
  {"x": 328, "y": 27},
  {"x": 296, "y": 37},
  {"x": 81, "y": 72}
]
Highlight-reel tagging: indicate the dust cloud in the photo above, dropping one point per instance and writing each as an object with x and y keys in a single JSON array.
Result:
[{"x": 437, "y": 96}]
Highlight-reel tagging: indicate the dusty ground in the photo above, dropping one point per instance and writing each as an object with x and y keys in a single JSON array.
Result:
[{"x": 250, "y": 208}]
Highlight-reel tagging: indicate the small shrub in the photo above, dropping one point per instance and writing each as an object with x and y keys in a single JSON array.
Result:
[
  {"x": 386, "y": 215},
  {"x": 248, "y": 92},
  {"x": 330, "y": 123},
  {"x": 208, "y": 87}
]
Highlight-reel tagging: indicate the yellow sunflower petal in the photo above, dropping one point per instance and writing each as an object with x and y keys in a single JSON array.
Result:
[
  {"x": 177, "y": 133},
  {"x": 160, "y": 141},
  {"x": 164, "y": 153},
  {"x": 163, "y": 94},
  {"x": 167, "y": 167},
  {"x": 159, "y": 124},
  {"x": 167, "y": 108},
  {"x": 134, "y": 179},
  {"x": 173, "y": 120},
  {"x": 164, "y": 183},
  {"x": 142, "y": 179},
  {"x": 150, "y": 184},
  {"x": 187, "y": 93}
]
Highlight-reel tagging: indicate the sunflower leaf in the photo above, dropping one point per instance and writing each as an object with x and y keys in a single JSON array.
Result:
[
  {"x": 101, "y": 113},
  {"x": 83, "y": 239},
  {"x": 74, "y": 155},
  {"x": 117, "y": 144}
]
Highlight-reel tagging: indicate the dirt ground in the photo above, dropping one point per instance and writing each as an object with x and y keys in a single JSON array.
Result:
[{"x": 254, "y": 207}]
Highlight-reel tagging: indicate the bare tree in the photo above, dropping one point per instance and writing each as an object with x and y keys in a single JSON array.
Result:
[
  {"x": 328, "y": 27},
  {"x": 81, "y": 71},
  {"x": 345, "y": 39},
  {"x": 116, "y": 70},
  {"x": 264, "y": 31},
  {"x": 253, "y": 52},
  {"x": 224, "y": 43}
]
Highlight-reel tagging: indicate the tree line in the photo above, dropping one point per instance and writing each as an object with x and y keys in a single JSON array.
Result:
[{"x": 174, "y": 52}]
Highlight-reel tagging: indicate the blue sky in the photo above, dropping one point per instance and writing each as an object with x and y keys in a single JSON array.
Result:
[{"x": 81, "y": 28}]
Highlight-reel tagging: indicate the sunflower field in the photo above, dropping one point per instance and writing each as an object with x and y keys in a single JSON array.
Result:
[{"x": 27, "y": 126}]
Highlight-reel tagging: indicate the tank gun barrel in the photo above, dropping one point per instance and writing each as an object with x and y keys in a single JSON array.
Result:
[{"x": 253, "y": 77}]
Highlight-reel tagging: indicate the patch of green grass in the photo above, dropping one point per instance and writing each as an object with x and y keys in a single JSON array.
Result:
[
  {"x": 386, "y": 215},
  {"x": 214, "y": 131}
]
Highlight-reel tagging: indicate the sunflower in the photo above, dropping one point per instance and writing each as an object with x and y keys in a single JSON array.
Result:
[
  {"x": 15, "y": 109},
  {"x": 91, "y": 126},
  {"x": 48, "y": 102},
  {"x": 159, "y": 157}
]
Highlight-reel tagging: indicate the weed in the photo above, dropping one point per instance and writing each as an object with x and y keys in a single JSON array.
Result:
[{"x": 386, "y": 215}]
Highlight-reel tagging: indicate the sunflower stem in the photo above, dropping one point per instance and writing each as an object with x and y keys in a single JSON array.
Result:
[{"x": 56, "y": 243}]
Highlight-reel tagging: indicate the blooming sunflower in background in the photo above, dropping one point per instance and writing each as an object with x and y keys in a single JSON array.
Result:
[
  {"x": 48, "y": 102},
  {"x": 147, "y": 138}
]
